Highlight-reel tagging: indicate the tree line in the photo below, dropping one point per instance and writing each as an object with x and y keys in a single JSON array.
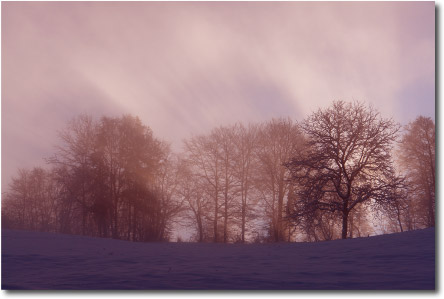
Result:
[{"x": 333, "y": 175}]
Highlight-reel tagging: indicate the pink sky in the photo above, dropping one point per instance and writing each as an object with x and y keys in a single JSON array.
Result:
[{"x": 185, "y": 68}]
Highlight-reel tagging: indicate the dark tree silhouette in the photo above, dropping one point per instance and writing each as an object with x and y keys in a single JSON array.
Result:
[{"x": 347, "y": 161}]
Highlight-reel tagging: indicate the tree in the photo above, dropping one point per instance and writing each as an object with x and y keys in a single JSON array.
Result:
[
  {"x": 245, "y": 145},
  {"x": 417, "y": 160},
  {"x": 191, "y": 188},
  {"x": 16, "y": 203},
  {"x": 74, "y": 157},
  {"x": 203, "y": 156},
  {"x": 31, "y": 201},
  {"x": 222, "y": 164},
  {"x": 129, "y": 158},
  {"x": 109, "y": 178},
  {"x": 115, "y": 172},
  {"x": 167, "y": 184},
  {"x": 223, "y": 137},
  {"x": 347, "y": 160},
  {"x": 279, "y": 140}
]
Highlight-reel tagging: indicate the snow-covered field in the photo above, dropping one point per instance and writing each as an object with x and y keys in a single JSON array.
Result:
[{"x": 32, "y": 260}]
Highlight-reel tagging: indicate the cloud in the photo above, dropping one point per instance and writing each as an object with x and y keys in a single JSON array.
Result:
[{"x": 184, "y": 68}]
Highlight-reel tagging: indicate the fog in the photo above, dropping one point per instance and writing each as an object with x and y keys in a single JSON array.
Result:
[{"x": 184, "y": 68}]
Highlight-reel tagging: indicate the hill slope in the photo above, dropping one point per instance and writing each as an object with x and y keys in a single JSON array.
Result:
[{"x": 32, "y": 260}]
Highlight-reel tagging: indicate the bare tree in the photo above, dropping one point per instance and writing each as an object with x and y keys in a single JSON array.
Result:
[
  {"x": 245, "y": 145},
  {"x": 112, "y": 169},
  {"x": 223, "y": 164},
  {"x": 203, "y": 155},
  {"x": 279, "y": 141},
  {"x": 417, "y": 160},
  {"x": 347, "y": 160},
  {"x": 197, "y": 204},
  {"x": 16, "y": 202},
  {"x": 31, "y": 201},
  {"x": 167, "y": 182},
  {"x": 132, "y": 157},
  {"x": 74, "y": 155},
  {"x": 225, "y": 139}
]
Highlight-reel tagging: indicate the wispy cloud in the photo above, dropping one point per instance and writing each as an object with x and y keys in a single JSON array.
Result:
[{"x": 186, "y": 67}]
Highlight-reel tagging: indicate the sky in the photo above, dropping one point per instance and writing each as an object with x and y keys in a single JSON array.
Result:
[{"x": 185, "y": 68}]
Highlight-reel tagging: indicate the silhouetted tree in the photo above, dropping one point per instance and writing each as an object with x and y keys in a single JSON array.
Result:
[{"x": 347, "y": 160}]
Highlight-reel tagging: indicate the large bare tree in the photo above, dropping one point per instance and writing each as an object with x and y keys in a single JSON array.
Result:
[{"x": 347, "y": 160}]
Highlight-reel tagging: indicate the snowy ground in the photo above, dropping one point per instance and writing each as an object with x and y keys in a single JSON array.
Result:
[{"x": 32, "y": 260}]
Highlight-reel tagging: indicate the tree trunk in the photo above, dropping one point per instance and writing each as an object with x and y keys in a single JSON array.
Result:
[
  {"x": 431, "y": 214},
  {"x": 216, "y": 212},
  {"x": 226, "y": 209},
  {"x": 398, "y": 213},
  {"x": 280, "y": 234},
  {"x": 344, "y": 223},
  {"x": 226, "y": 222},
  {"x": 83, "y": 211},
  {"x": 243, "y": 222},
  {"x": 351, "y": 227},
  {"x": 200, "y": 227}
]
